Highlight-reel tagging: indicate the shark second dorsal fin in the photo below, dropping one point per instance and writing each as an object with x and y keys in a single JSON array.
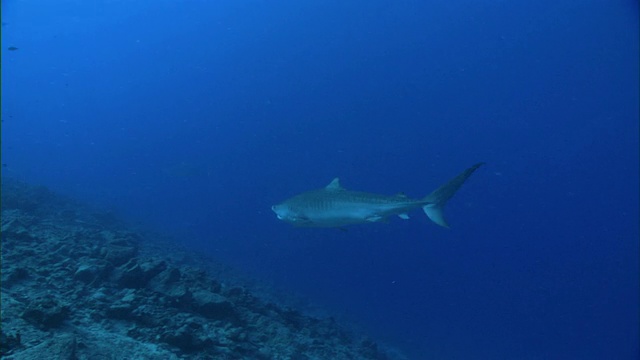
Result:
[{"x": 334, "y": 185}]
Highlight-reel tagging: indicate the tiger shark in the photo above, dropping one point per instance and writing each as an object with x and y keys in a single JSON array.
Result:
[{"x": 335, "y": 206}]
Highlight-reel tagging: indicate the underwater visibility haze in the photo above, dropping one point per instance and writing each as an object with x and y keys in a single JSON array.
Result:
[{"x": 194, "y": 118}]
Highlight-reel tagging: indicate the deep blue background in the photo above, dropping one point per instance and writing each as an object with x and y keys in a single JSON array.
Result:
[{"x": 197, "y": 116}]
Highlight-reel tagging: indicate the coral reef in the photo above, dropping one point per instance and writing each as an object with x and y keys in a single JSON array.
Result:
[{"x": 77, "y": 284}]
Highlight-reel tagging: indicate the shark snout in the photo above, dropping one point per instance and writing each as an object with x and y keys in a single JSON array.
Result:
[{"x": 274, "y": 208}]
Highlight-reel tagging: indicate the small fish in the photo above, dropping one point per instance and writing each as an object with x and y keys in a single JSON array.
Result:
[
  {"x": 12, "y": 48},
  {"x": 334, "y": 206}
]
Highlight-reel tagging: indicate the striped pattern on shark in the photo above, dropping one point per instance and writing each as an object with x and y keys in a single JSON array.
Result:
[{"x": 335, "y": 206}]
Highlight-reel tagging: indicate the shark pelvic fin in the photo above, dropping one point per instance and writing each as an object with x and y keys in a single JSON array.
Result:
[{"x": 436, "y": 201}]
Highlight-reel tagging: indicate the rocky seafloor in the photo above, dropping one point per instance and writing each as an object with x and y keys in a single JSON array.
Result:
[{"x": 79, "y": 284}]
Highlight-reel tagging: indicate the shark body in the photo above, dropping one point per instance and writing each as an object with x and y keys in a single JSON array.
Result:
[{"x": 335, "y": 206}]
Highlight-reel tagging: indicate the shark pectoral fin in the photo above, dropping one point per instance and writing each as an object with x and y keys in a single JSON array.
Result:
[
  {"x": 403, "y": 216},
  {"x": 436, "y": 215},
  {"x": 374, "y": 218}
]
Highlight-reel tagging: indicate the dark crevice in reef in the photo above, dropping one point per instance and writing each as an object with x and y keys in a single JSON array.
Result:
[{"x": 79, "y": 284}]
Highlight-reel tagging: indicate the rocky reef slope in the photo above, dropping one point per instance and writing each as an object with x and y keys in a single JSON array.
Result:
[{"x": 77, "y": 284}]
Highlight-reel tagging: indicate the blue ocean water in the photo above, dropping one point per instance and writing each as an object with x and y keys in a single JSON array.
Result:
[{"x": 195, "y": 117}]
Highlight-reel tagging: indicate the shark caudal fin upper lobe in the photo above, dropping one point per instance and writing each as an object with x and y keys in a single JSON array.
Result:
[{"x": 437, "y": 199}]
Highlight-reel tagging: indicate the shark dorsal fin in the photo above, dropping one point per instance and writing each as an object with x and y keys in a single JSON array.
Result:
[{"x": 334, "y": 185}]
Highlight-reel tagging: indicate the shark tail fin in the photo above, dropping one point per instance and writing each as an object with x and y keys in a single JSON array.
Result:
[{"x": 436, "y": 201}]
